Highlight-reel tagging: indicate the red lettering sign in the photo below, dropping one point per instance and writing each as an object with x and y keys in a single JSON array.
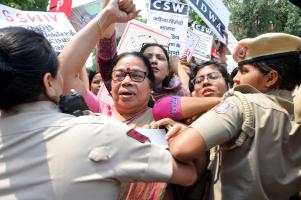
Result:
[{"x": 61, "y": 6}]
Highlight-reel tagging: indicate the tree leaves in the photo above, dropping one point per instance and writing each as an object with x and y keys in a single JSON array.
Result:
[
  {"x": 250, "y": 18},
  {"x": 30, "y": 5}
]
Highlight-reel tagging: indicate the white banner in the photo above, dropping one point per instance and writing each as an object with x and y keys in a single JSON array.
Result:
[
  {"x": 171, "y": 18},
  {"x": 232, "y": 41},
  {"x": 54, "y": 26},
  {"x": 6, "y": 11},
  {"x": 214, "y": 13},
  {"x": 203, "y": 50},
  {"x": 192, "y": 43},
  {"x": 136, "y": 33}
]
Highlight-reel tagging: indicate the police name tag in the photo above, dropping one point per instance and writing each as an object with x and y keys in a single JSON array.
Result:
[{"x": 223, "y": 107}]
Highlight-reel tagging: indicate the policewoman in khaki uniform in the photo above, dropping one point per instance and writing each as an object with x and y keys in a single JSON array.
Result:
[
  {"x": 259, "y": 152},
  {"x": 46, "y": 154}
]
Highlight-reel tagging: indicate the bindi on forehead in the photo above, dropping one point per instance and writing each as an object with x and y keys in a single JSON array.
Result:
[{"x": 128, "y": 68}]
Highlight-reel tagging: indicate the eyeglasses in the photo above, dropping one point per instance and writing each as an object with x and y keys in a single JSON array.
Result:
[
  {"x": 211, "y": 76},
  {"x": 136, "y": 76}
]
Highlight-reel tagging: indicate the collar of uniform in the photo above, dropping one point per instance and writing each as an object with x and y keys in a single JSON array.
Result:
[
  {"x": 284, "y": 94},
  {"x": 284, "y": 98},
  {"x": 38, "y": 106}
]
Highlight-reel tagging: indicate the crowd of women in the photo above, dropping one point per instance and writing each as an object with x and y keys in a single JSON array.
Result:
[{"x": 238, "y": 143}]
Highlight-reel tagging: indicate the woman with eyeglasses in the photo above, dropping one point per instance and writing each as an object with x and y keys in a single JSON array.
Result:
[
  {"x": 131, "y": 86},
  {"x": 211, "y": 80}
]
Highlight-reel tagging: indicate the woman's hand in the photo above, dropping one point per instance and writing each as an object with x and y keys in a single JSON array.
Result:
[
  {"x": 176, "y": 127},
  {"x": 121, "y": 11}
]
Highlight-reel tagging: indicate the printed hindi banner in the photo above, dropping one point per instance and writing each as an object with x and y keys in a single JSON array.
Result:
[
  {"x": 192, "y": 43},
  {"x": 137, "y": 33},
  {"x": 54, "y": 26},
  {"x": 203, "y": 50},
  {"x": 171, "y": 18},
  {"x": 214, "y": 13}
]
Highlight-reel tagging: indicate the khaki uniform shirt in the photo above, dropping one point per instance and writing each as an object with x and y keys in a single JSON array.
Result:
[
  {"x": 266, "y": 166},
  {"x": 45, "y": 154}
]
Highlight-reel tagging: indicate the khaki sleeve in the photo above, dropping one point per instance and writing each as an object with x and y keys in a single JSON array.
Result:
[
  {"x": 133, "y": 158},
  {"x": 221, "y": 124}
]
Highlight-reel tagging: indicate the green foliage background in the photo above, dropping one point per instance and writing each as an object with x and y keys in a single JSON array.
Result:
[
  {"x": 30, "y": 5},
  {"x": 250, "y": 18}
]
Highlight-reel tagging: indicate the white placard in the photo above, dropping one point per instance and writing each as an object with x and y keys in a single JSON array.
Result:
[
  {"x": 54, "y": 26},
  {"x": 232, "y": 41},
  {"x": 136, "y": 33},
  {"x": 231, "y": 63},
  {"x": 171, "y": 18},
  {"x": 214, "y": 13},
  {"x": 6, "y": 11},
  {"x": 156, "y": 136},
  {"x": 192, "y": 43},
  {"x": 203, "y": 50}
]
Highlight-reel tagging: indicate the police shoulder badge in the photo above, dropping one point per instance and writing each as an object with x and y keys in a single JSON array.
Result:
[
  {"x": 137, "y": 136},
  {"x": 223, "y": 107}
]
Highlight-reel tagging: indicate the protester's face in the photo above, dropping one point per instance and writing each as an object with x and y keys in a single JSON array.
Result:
[
  {"x": 159, "y": 63},
  {"x": 209, "y": 82},
  {"x": 249, "y": 75},
  {"x": 130, "y": 96},
  {"x": 96, "y": 83}
]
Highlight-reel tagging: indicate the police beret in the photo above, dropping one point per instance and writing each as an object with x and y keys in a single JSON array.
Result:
[{"x": 265, "y": 46}]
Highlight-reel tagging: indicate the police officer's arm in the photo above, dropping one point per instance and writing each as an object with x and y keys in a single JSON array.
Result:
[
  {"x": 134, "y": 158},
  {"x": 183, "y": 173},
  {"x": 188, "y": 146},
  {"x": 76, "y": 52},
  {"x": 219, "y": 125}
]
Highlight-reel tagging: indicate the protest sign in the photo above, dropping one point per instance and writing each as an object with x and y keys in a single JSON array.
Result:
[
  {"x": 82, "y": 13},
  {"x": 171, "y": 18},
  {"x": 203, "y": 50},
  {"x": 5, "y": 10},
  {"x": 54, "y": 26},
  {"x": 231, "y": 63},
  {"x": 156, "y": 136},
  {"x": 192, "y": 42},
  {"x": 232, "y": 41},
  {"x": 214, "y": 13},
  {"x": 60, "y": 6},
  {"x": 136, "y": 33}
]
